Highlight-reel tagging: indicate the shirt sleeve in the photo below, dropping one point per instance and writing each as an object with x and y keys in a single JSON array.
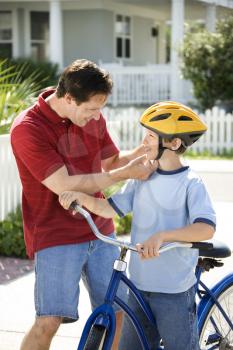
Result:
[
  {"x": 199, "y": 204},
  {"x": 35, "y": 152},
  {"x": 122, "y": 201},
  {"x": 108, "y": 147}
]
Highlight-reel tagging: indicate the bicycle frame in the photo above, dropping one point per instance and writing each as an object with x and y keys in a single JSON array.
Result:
[{"x": 104, "y": 315}]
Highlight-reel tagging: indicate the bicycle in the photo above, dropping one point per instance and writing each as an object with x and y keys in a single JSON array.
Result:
[{"x": 215, "y": 319}]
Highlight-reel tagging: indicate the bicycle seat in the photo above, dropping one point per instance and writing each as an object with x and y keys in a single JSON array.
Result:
[{"x": 218, "y": 249}]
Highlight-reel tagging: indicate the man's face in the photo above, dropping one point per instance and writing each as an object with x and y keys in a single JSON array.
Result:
[
  {"x": 151, "y": 141},
  {"x": 81, "y": 114}
]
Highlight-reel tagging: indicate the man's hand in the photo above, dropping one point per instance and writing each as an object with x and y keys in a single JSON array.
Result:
[
  {"x": 140, "y": 151},
  {"x": 150, "y": 248},
  {"x": 140, "y": 168},
  {"x": 67, "y": 197}
]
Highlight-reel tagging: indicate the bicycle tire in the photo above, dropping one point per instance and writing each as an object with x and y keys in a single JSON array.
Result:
[
  {"x": 96, "y": 337},
  {"x": 223, "y": 339}
]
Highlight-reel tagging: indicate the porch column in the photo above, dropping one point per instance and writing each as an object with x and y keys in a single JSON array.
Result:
[
  {"x": 16, "y": 37},
  {"x": 56, "y": 33},
  {"x": 211, "y": 17},
  {"x": 177, "y": 27},
  {"x": 162, "y": 43}
]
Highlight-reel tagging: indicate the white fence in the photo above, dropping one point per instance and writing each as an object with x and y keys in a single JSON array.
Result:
[
  {"x": 127, "y": 133},
  {"x": 139, "y": 85},
  {"x": 10, "y": 188}
]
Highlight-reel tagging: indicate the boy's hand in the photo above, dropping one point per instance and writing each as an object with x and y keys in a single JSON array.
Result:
[
  {"x": 67, "y": 197},
  {"x": 150, "y": 248}
]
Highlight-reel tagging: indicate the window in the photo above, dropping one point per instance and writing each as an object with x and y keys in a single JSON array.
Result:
[
  {"x": 6, "y": 34},
  {"x": 123, "y": 36},
  {"x": 40, "y": 35}
]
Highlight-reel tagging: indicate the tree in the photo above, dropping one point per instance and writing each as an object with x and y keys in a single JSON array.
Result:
[{"x": 208, "y": 63}]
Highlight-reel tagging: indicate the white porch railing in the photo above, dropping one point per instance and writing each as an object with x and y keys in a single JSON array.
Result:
[
  {"x": 139, "y": 85},
  {"x": 127, "y": 133}
]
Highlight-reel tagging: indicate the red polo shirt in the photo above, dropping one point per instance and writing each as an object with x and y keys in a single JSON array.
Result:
[{"x": 42, "y": 143}]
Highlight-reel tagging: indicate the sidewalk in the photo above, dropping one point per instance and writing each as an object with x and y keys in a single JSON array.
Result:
[
  {"x": 218, "y": 177},
  {"x": 17, "y": 315},
  {"x": 16, "y": 297}
]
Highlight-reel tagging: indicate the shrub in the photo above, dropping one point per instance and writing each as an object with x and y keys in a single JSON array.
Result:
[
  {"x": 123, "y": 225},
  {"x": 11, "y": 235},
  {"x": 208, "y": 63},
  {"x": 45, "y": 73}
]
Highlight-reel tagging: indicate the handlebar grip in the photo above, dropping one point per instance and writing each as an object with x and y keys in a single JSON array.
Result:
[
  {"x": 202, "y": 245},
  {"x": 73, "y": 206}
]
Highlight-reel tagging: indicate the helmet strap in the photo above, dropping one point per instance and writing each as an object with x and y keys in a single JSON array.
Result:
[{"x": 161, "y": 148}]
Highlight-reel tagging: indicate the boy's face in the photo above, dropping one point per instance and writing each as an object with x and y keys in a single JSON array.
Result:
[{"x": 151, "y": 141}]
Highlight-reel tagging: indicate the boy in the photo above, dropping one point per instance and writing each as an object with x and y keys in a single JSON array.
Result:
[{"x": 172, "y": 205}]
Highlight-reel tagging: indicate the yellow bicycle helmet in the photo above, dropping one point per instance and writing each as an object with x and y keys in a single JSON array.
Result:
[{"x": 172, "y": 119}]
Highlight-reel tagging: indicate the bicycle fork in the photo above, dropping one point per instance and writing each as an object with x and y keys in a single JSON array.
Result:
[{"x": 104, "y": 315}]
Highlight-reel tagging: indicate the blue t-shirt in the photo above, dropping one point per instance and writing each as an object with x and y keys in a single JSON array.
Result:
[{"x": 168, "y": 200}]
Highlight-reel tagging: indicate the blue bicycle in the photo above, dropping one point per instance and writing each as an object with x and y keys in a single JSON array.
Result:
[{"x": 215, "y": 307}]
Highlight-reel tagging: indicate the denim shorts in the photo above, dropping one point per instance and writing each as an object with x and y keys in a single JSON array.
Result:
[
  {"x": 176, "y": 322},
  {"x": 58, "y": 271}
]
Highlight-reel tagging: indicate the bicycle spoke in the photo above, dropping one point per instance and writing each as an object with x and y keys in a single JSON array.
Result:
[{"x": 216, "y": 332}]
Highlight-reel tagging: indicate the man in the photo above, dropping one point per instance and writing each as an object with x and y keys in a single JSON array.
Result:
[{"x": 62, "y": 143}]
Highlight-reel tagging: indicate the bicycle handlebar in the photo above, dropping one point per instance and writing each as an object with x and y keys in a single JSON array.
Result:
[{"x": 119, "y": 243}]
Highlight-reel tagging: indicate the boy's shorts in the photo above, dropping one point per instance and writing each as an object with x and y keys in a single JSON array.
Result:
[{"x": 58, "y": 271}]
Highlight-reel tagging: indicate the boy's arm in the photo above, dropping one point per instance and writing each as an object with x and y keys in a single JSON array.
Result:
[
  {"x": 98, "y": 206},
  {"x": 196, "y": 232}
]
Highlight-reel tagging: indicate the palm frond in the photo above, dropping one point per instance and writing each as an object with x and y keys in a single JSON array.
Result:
[{"x": 16, "y": 94}]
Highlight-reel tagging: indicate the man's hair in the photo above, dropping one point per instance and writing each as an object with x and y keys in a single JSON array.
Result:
[{"x": 83, "y": 79}]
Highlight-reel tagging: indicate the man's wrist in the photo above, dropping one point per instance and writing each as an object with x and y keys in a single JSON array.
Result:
[
  {"x": 84, "y": 200},
  {"x": 119, "y": 174}
]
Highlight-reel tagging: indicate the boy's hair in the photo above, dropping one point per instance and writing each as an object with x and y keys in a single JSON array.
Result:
[
  {"x": 83, "y": 79},
  {"x": 180, "y": 150}
]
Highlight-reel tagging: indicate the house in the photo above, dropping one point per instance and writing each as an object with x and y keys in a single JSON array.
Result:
[{"x": 136, "y": 40}]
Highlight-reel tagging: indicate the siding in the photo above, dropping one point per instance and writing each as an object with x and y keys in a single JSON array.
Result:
[
  {"x": 143, "y": 44},
  {"x": 88, "y": 34}
]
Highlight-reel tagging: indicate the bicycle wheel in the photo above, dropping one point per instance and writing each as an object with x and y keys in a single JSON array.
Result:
[
  {"x": 96, "y": 337},
  {"x": 215, "y": 332}
]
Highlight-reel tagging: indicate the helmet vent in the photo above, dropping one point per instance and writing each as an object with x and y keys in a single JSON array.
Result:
[
  {"x": 185, "y": 118},
  {"x": 160, "y": 117}
]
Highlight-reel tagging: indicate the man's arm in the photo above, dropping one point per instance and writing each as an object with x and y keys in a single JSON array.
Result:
[
  {"x": 98, "y": 206},
  {"x": 123, "y": 158},
  {"x": 192, "y": 233},
  {"x": 61, "y": 181}
]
